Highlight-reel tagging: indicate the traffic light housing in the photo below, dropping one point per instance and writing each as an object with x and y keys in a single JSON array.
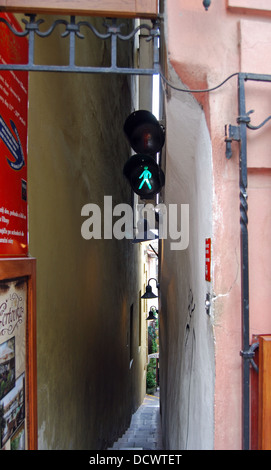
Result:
[{"x": 147, "y": 137}]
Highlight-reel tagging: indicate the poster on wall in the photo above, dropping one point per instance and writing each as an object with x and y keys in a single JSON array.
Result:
[
  {"x": 13, "y": 320},
  {"x": 13, "y": 143}
]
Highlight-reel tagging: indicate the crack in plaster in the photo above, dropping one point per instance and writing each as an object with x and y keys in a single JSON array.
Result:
[{"x": 226, "y": 294}]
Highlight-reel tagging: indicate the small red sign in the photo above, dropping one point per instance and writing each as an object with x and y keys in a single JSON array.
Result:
[
  {"x": 13, "y": 143},
  {"x": 208, "y": 259}
]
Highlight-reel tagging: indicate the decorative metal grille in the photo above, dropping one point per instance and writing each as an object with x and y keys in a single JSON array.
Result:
[{"x": 73, "y": 29}]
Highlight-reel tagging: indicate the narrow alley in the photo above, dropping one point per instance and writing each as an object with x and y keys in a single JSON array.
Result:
[
  {"x": 144, "y": 432},
  {"x": 135, "y": 222}
]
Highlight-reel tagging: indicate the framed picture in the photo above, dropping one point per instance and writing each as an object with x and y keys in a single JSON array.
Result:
[{"x": 18, "y": 376}]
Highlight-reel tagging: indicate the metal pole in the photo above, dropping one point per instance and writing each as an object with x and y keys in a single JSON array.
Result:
[{"x": 244, "y": 261}]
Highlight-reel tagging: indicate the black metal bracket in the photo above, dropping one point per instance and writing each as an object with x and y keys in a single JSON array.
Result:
[
  {"x": 250, "y": 354},
  {"x": 231, "y": 133},
  {"x": 73, "y": 30}
]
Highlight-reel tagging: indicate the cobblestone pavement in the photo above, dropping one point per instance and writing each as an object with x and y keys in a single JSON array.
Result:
[{"x": 144, "y": 432}]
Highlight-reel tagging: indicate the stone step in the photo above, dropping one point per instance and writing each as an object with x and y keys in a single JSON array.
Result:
[{"x": 144, "y": 430}]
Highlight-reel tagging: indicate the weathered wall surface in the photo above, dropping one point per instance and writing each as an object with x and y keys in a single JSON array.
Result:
[
  {"x": 87, "y": 389},
  {"x": 186, "y": 331}
]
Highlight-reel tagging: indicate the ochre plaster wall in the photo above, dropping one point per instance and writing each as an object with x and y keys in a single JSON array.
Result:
[{"x": 85, "y": 288}]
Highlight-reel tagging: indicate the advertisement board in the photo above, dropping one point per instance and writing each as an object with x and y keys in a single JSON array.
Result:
[
  {"x": 13, "y": 144},
  {"x": 13, "y": 295},
  {"x": 18, "y": 389}
]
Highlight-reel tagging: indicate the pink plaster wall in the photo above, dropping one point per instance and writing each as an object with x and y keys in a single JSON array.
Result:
[
  {"x": 255, "y": 57},
  {"x": 204, "y": 48}
]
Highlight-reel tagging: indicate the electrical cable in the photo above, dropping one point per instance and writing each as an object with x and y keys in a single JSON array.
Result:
[{"x": 187, "y": 90}]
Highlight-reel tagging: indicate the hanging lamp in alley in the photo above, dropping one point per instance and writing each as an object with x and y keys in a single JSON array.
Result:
[
  {"x": 149, "y": 293},
  {"x": 152, "y": 313}
]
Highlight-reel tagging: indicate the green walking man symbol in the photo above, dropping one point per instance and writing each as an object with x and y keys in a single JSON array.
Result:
[{"x": 146, "y": 175}]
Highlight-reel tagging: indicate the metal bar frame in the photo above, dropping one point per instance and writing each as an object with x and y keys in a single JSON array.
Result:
[
  {"x": 239, "y": 133},
  {"x": 73, "y": 30}
]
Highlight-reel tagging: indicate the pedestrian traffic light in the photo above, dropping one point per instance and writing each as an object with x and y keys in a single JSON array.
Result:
[
  {"x": 147, "y": 137},
  {"x": 144, "y": 175}
]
